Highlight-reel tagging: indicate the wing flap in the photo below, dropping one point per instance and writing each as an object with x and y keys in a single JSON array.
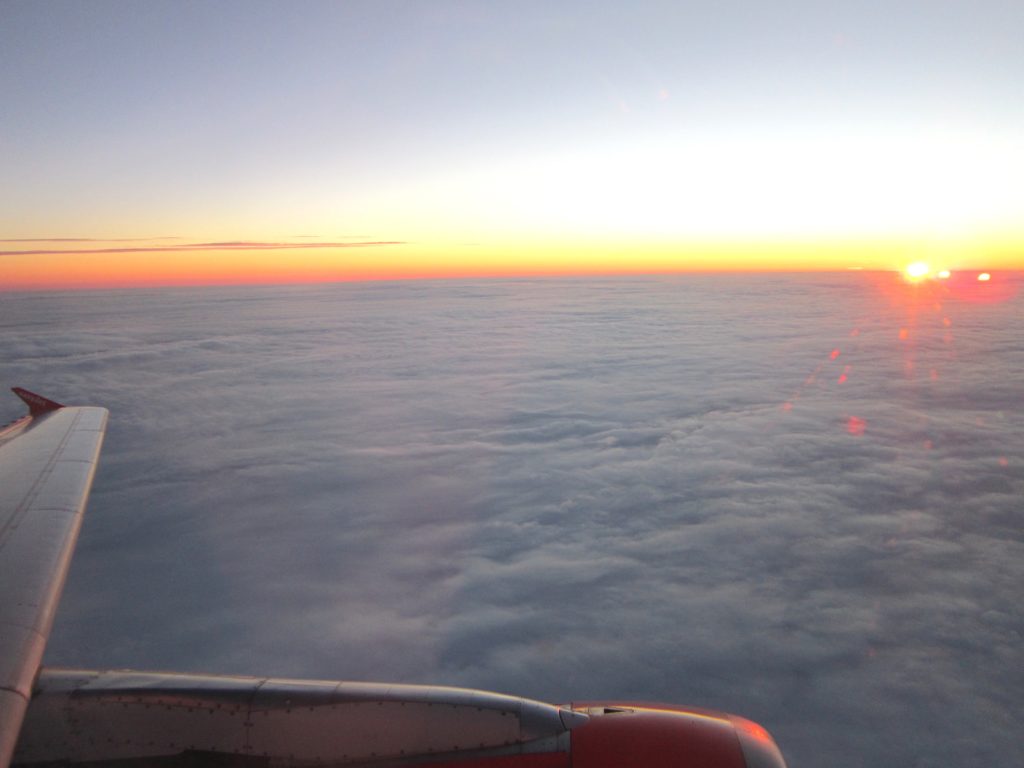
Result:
[{"x": 46, "y": 470}]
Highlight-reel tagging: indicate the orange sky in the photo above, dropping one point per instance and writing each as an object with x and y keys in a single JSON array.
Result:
[{"x": 122, "y": 263}]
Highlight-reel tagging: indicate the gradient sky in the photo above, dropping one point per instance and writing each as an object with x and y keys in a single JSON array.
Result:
[{"x": 483, "y": 138}]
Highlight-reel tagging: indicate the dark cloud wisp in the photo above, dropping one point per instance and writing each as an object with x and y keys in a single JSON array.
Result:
[{"x": 230, "y": 245}]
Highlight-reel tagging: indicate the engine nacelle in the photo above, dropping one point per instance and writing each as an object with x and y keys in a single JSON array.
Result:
[{"x": 620, "y": 735}]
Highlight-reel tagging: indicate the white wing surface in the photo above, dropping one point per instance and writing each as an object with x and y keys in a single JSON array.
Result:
[{"x": 47, "y": 463}]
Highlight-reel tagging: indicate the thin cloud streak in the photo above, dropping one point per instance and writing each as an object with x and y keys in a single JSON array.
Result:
[
  {"x": 231, "y": 245},
  {"x": 84, "y": 239}
]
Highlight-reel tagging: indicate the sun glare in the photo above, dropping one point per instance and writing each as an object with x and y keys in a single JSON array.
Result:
[{"x": 916, "y": 270}]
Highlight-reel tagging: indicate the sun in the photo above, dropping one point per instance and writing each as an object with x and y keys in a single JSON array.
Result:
[{"x": 916, "y": 270}]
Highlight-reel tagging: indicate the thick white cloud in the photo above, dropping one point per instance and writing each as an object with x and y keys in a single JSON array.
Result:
[{"x": 648, "y": 488}]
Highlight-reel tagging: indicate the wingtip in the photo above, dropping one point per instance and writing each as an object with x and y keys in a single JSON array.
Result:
[{"x": 37, "y": 404}]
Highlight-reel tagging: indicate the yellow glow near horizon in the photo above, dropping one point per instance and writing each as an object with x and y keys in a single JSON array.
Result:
[
  {"x": 673, "y": 203},
  {"x": 781, "y": 187}
]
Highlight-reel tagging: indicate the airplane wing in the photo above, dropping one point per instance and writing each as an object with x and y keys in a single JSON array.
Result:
[
  {"x": 89, "y": 719},
  {"x": 47, "y": 462}
]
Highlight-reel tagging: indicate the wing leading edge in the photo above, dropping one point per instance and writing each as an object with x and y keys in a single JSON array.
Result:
[{"x": 47, "y": 463}]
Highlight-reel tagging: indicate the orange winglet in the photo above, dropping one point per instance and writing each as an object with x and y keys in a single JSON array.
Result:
[{"x": 37, "y": 404}]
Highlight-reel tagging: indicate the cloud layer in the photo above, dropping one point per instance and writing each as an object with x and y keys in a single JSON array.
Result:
[{"x": 794, "y": 498}]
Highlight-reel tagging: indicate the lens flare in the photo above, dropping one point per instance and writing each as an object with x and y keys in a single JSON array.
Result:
[{"x": 856, "y": 425}]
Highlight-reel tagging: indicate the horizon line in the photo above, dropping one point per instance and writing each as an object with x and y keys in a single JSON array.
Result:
[{"x": 502, "y": 276}]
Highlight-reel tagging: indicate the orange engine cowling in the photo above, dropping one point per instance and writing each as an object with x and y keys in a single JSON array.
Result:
[{"x": 657, "y": 736}]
